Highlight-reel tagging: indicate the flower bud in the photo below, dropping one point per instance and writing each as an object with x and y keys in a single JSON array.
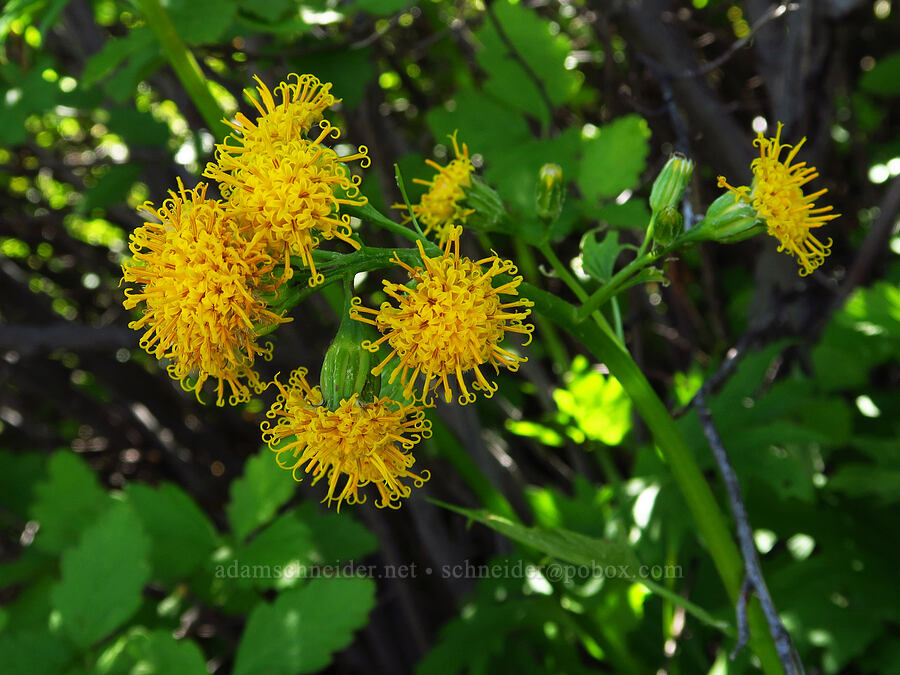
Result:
[
  {"x": 347, "y": 367},
  {"x": 550, "y": 193},
  {"x": 728, "y": 220},
  {"x": 671, "y": 182},
  {"x": 668, "y": 226}
]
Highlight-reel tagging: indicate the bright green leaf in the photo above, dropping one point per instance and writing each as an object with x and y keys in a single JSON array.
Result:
[
  {"x": 257, "y": 495},
  {"x": 614, "y": 159}
]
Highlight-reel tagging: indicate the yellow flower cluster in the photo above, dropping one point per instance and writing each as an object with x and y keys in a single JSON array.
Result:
[
  {"x": 776, "y": 194},
  {"x": 206, "y": 273},
  {"x": 450, "y": 322},
  {"x": 362, "y": 443},
  {"x": 440, "y": 208}
]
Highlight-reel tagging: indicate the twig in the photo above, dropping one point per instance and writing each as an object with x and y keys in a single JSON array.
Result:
[
  {"x": 514, "y": 53},
  {"x": 754, "y": 580},
  {"x": 774, "y": 11}
]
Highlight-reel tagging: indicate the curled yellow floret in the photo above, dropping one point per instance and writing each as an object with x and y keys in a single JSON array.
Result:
[
  {"x": 451, "y": 321},
  {"x": 285, "y": 114},
  {"x": 291, "y": 193},
  {"x": 441, "y": 206},
  {"x": 351, "y": 447},
  {"x": 777, "y": 196},
  {"x": 201, "y": 282}
]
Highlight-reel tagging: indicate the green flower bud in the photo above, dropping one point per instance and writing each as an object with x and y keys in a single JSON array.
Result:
[
  {"x": 347, "y": 367},
  {"x": 487, "y": 210},
  {"x": 671, "y": 182},
  {"x": 728, "y": 220},
  {"x": 668, "y": 226},
  {"x": 550, "y": 193}
]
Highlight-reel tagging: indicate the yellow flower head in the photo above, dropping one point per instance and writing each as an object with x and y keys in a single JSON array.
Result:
[
  {"x": 291, "y": 192},
  {"x": 302, "y": 103},
  {"x": 777, "y": 196},
  {"x": 201, "y": 282},
  {"x": 441, "y": 207},
  {"x": 351, "y": 446},
  {"x": 450, "y": 322}
]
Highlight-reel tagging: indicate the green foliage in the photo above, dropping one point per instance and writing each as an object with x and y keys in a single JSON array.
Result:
[
  {"x": 257, "y": 495},
  {"x": 299, "y": 631}
]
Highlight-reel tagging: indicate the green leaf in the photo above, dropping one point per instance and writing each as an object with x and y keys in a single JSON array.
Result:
[
  {"x": 867, "y": 480},
  {"x": 103, "y": 577},
  {"x": 19, "y": 472},
  {"x": 600, "y": 259},
  {"x": 884, "y": 77},
  {"x": 114, "y": 52},
  {"x": 202, "y": 21},
  {"x": 151, "y": 653},
  {"x": 535, "y": 43},
  {"x": 258, "y": 494},
  {"x": 67, "y": 502},
  {"x": 349, "y": 70},
  {"x": 596, "y": 403},
  {"x": 614, "y": 159},
  {"x": 300, "y": 631},
  {"x": 483, "y": 124},
  {"x": 286, "y": 541},
  {"x": 181, "y": 536},
  {"x": 381, "y": 7},
  {"x": 112, "y": 188},
  {"x": 36, "y": 652},
  {"x": 573, "y": 547},
  {"x": 271, "y": 11},
  {"x": 138, "y": 128},
  {"x": 337, "y": 537}
]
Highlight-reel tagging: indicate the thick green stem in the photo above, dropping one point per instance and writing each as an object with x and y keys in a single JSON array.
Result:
[
  {"x": 710, "y": 521},
  {"x": 185, "y": 66}
]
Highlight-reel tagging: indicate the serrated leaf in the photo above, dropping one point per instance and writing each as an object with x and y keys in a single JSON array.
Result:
[
  {"x": 286, "y": 541},
  {"x": 614, "y": 159},
  {"x": 103, "y": 577},
  {"x": 300, "y": 631},
  {"x": 535, "y": 43},
  {"x": 599, "y": 259},
  {"x": 181, "y": 536},
  {"x": 257, "y": 495},
  {"x": 67, "y": 502},
  {"x": 337, "y": 537},
  {"x": 151, "y": 653}
]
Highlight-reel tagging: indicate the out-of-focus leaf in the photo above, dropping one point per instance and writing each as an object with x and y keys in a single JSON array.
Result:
[
  {"x": 595, "y": 403},
  {"x": 19, "y": 472},
  {"x": 349, "y": 70},
  {"x": 633, "y": 213},
  {"x": 121, "y": 86},
  {"x": 257, "y": 495},
  {"x": 202, "y": 21},
  {"x": 36, "y": 652},
  {"x": 614, "y": 159},
  {"x": 138, "y": 129},
  {"x": 181, "y": 536},
  {"x": 271, "y": 11},
  {"x": 112, "y": 188},
  {"x": 337, "y": 537},
  {"x": 151, "y": 653},
  {"x": 484, "y": 124},
  {"x": 300, "y": 631},
  {"x": 114, "y": 52},
  {"x": 66, "y": 503},
  {"x": 884, "y": 77},
  {"x": 381, "y": 7},
  {"x": 544, "y": 52},
  {"x": 103, "y": 577}
]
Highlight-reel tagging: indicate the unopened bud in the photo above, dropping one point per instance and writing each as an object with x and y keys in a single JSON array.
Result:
[
  {"x": 728, "y": 220},
  {"x": 347, "y": 367},
  {"x": 670, "y": 183},
  {"x": 668, "y": 226},
  {"x": 550, "y": 193}
]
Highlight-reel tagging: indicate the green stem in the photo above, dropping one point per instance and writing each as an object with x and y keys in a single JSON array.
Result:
[
  {"x": 599, "y": 297},
  {"x": 185, "y": 66},
  {"x": 555, "y": 348},
  {"x": 697, "y": 494},
  {"x": 371, "y": 215}
]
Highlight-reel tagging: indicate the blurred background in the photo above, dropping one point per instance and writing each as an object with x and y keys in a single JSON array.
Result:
[{"x": 124, "y": 502}]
